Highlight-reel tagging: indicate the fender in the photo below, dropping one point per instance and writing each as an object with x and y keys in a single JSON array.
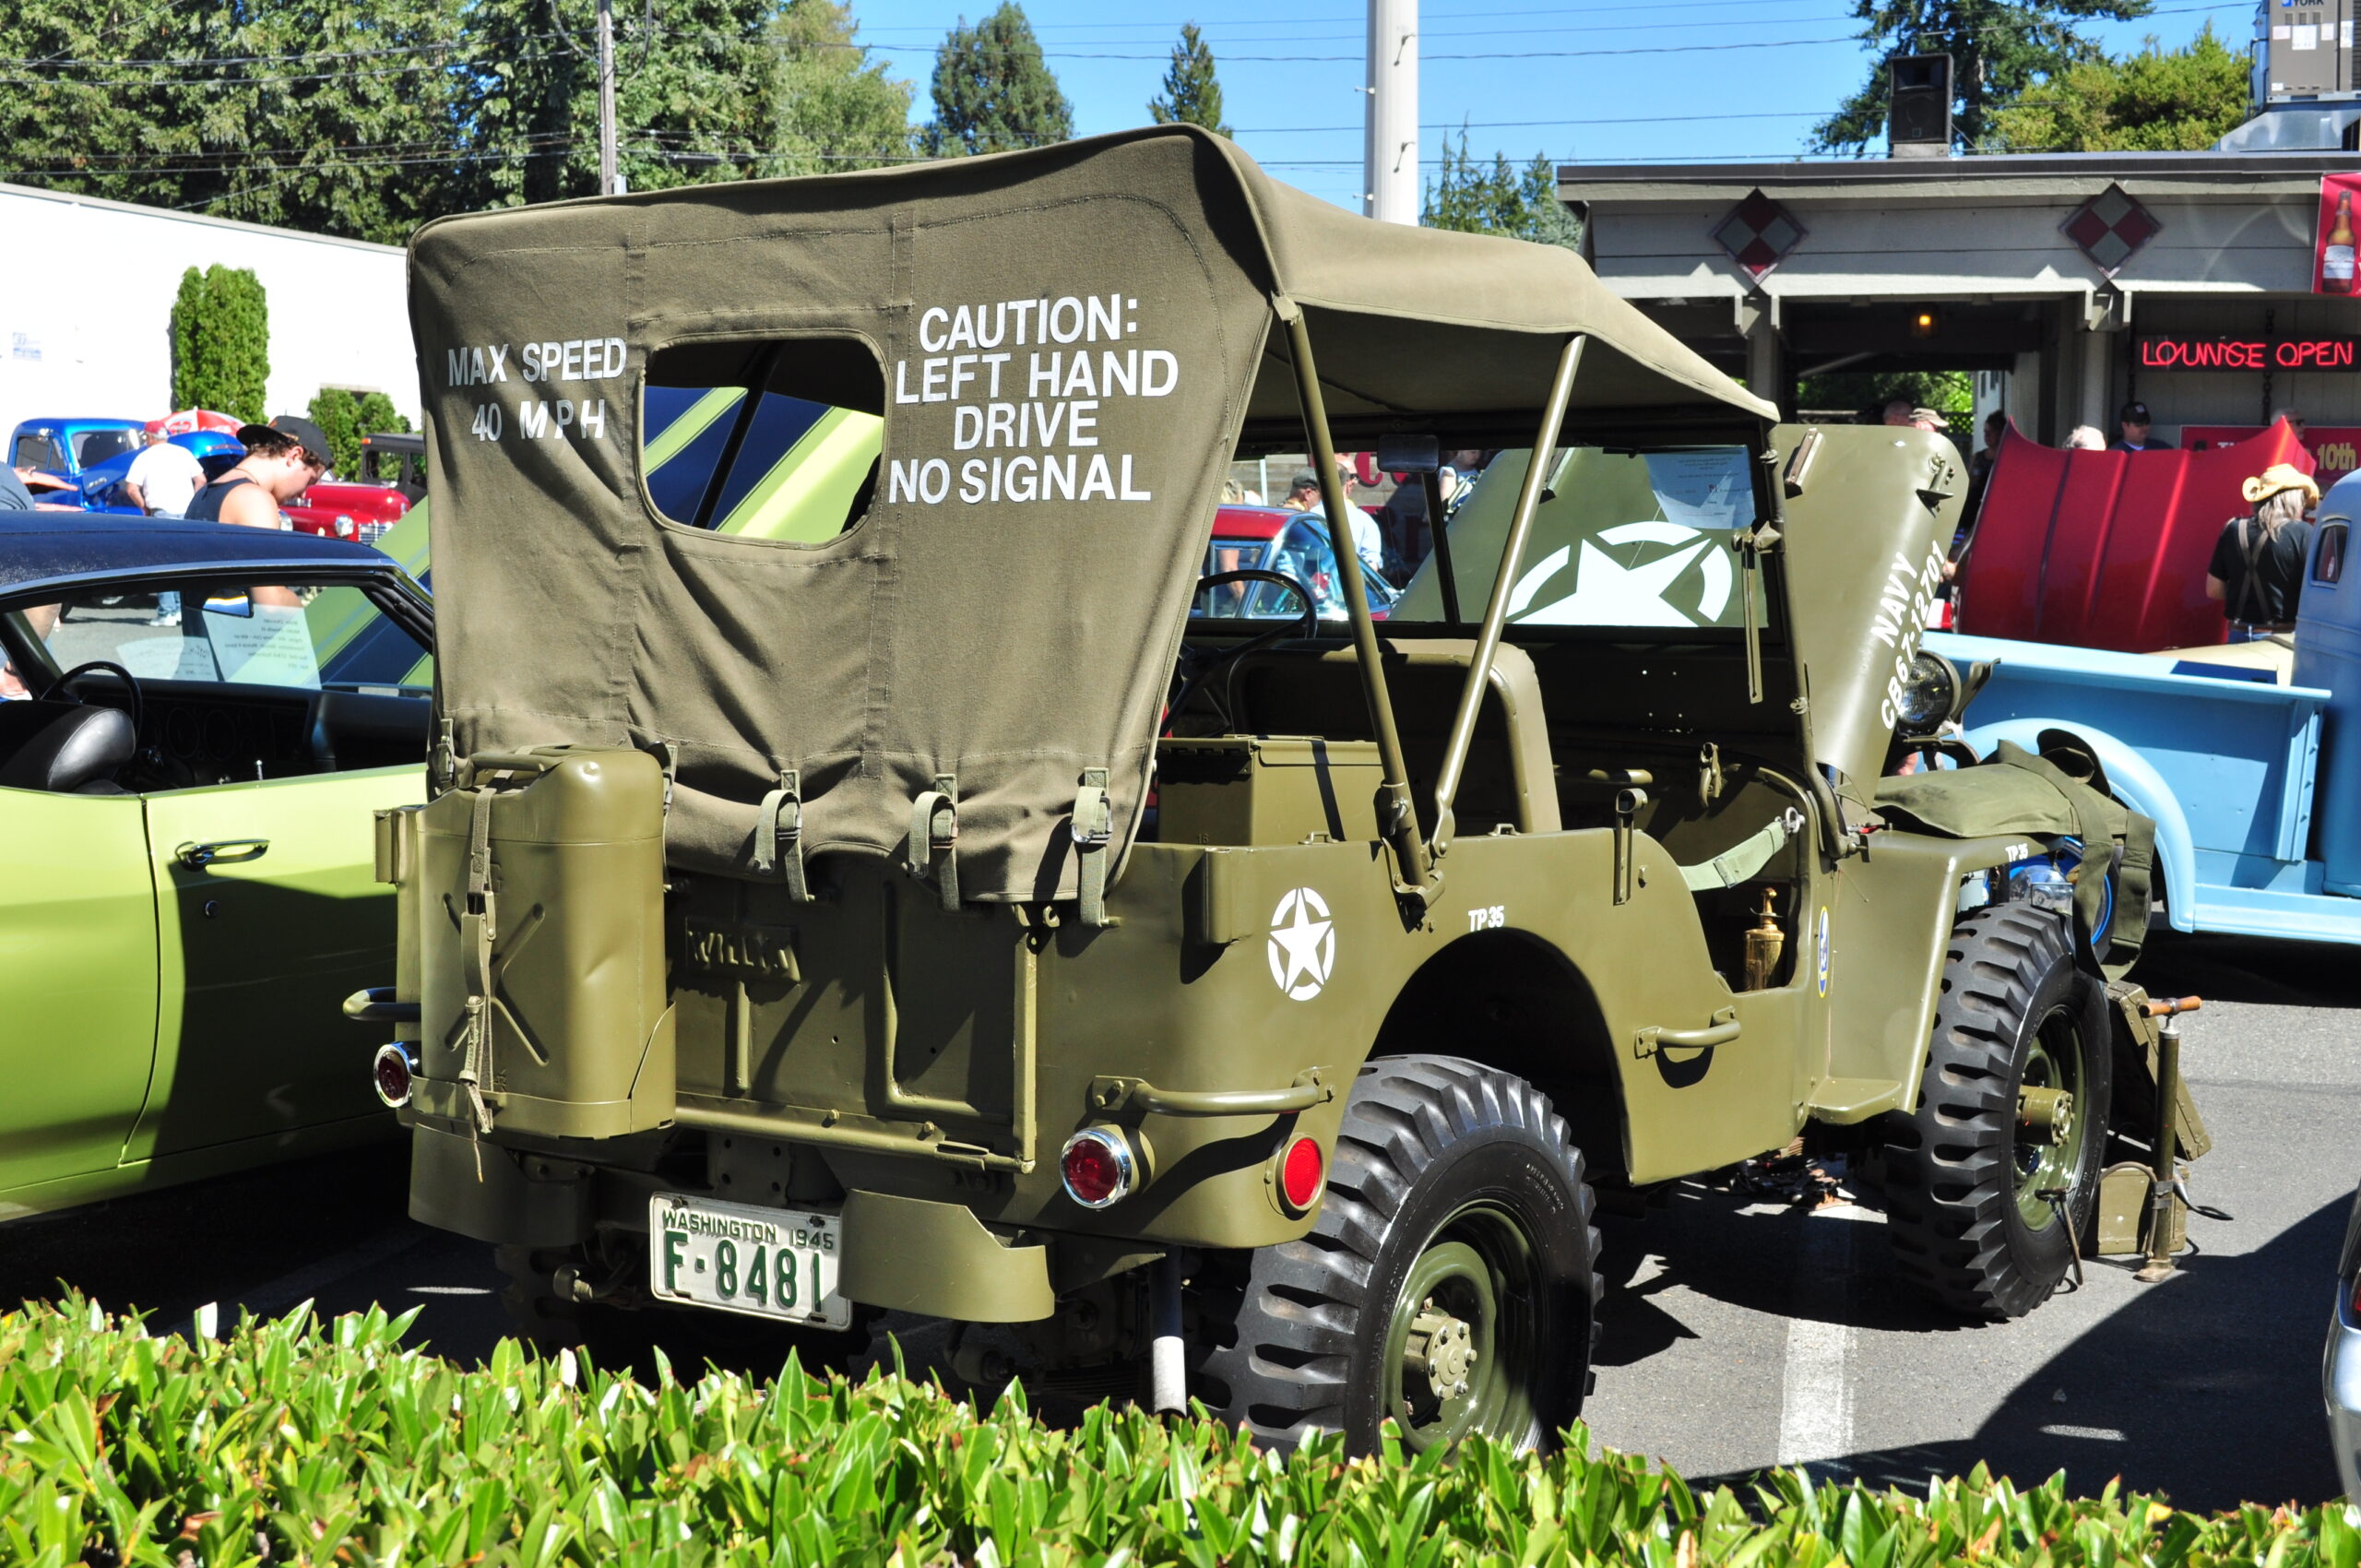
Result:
[{"x": 2137, "y": 784}]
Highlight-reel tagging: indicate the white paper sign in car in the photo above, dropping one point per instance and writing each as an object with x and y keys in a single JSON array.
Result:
[{"x": 264, "y": 645}]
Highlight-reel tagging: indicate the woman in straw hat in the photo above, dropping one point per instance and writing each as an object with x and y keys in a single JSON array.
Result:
[{"x": 2258, "y": 567}]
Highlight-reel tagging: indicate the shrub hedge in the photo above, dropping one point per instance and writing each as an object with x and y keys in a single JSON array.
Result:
[{"x": 287, "y": 1441}]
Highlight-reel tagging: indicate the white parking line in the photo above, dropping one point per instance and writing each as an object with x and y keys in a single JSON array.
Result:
[
  {"x": 279, "y": 1295},
  {"x": 1816, "y": 1389}
]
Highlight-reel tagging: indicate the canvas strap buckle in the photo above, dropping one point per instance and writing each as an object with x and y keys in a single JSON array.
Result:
[
  {"x": 672, "y": 770},
  {"x": 445, "y": 763},
  {"x": 779, "y": 836},
  {"x": 934, "y": 848},
  {"x": 479, "y": 929},
  {"x": 1093, "y": 828}
]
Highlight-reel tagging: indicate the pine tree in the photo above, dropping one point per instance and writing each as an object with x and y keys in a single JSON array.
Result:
[
  {"x": 692, "y": 96},
  {"x": 830, "y": 109},
  {"x": 2156, "y": 101},
  {"x": 1191, "y": 91},
  {"x": 331, "y": 116},
  {"x": 994, "y": 92},
  {"x": 1998, "y": 49},
  {"x": 1476, "y": 199}
]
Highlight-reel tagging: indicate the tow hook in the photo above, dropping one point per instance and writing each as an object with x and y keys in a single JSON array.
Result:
[
  {"x": 2048, "y": 1114},
  {"x": 1441, "y": 1349}
]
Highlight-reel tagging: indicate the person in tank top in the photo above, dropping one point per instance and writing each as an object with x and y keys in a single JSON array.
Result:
[{"x": 283, "y": 459}]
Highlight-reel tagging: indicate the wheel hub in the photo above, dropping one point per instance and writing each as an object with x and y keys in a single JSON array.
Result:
[
  {"x": 2047, "y": 1115},
  {"x": 1441, "y": 1350}
]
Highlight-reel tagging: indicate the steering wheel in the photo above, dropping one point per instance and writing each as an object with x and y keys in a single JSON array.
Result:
[
  {"x": 130, "y": 683},
  {"x": 1302, "y": 625}
]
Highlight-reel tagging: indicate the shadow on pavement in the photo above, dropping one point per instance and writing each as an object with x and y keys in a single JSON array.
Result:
[
  {"x": 2205, "y": 1387},
  {"x": 2240, "y": 968}
]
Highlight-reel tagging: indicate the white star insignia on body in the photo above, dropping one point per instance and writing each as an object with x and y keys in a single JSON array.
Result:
[
  {"x": 1303, "y": 944},
  {"x": 1609, "y": 593}
]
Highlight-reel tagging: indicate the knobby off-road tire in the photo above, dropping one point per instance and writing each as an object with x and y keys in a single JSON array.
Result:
[
  {"x": 1964, "y": 1173},
  {"x": 1449, "y": 1278}
]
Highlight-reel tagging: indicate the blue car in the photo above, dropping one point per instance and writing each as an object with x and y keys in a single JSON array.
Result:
[
  {"x": 2254, "y": 786},
  {"x": 63, "y": 448},
  {"x": 100, "y": 485}
]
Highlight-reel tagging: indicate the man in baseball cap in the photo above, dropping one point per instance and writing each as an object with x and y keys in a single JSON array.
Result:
[
  {"x": 2133, "y": 419},
  {"x": 283, "y": 459}
]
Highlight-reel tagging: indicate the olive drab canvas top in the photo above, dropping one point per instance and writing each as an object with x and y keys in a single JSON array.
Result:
[{"x": 1063, "y": 346}]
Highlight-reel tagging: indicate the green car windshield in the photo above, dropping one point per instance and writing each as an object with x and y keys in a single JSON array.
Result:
[{"x": 1635, "y": 541}]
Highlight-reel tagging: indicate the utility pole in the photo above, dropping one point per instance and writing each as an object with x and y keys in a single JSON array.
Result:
[
  {"x": 609, "y": 183},
  {"x": 1390, "y": 148}
]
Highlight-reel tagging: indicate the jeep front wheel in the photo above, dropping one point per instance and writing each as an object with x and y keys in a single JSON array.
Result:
[
  {"x": 1447, "y": 1282},
  {"x": 1990, "y": 1182}
]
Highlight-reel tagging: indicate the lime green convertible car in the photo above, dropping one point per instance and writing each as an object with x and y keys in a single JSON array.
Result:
[{"x": 205, "y": 719}]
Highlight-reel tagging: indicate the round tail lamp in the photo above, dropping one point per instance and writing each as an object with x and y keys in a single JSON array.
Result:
[
  {"x": 1097, "y": 1167},
  {"x": 390, "y": 1074},
  {"x": 1302, "y": 1172}
]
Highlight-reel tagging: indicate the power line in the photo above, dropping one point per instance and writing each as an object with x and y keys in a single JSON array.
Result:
[
  {"x": 184, "y": 62},
  {"x": 193, "y": 62},
  {"x": 1523, "y": 125}
]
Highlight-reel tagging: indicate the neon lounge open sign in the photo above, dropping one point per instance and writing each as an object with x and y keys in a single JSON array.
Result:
[{"x": 2249, "y": 353}]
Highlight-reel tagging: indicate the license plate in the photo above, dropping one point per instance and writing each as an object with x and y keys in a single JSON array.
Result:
[{"x": 776, "y": 1263}]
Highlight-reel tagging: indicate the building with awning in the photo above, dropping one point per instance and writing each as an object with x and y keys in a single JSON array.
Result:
[{"x": 2074, "y": 282}]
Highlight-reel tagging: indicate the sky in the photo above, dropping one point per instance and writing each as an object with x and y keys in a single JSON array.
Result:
[{"x": 1596, "y": 82}]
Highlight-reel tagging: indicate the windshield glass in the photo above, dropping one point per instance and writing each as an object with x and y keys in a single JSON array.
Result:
[
  {"x": 1623, "y": 539},
  {"x": 98, "y": 446}
]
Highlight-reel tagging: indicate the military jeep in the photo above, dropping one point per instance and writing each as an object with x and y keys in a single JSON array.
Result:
[{"x": 854, "y": 879}]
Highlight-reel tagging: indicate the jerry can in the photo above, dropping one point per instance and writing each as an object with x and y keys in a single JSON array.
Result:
[{"x": 537, "y": 918}]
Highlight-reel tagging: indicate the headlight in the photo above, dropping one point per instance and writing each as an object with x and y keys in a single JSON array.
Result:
[{"x": 1930, "y": 697}]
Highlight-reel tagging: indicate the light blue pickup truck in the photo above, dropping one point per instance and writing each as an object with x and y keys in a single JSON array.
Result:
[{"x": 2249, "y": 758}]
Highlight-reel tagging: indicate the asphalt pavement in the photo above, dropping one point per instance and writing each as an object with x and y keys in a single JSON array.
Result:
[{"x": 1738, "y": 1334}]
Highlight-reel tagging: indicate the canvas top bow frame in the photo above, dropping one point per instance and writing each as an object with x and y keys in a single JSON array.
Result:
[{"x": 1031, "y": 371}]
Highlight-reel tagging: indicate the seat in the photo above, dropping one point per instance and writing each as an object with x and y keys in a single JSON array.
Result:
[
  {"x": 1301, "y": 690},
  {"x": 76, "y": 753}
]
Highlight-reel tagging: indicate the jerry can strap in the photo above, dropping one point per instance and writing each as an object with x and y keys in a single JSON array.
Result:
[
  {"x": 1093, "y": 828},
  {"x": 479, "y": 929},
  {"x": 934, "y": 848},
  {"x": 779, "y": 836}
]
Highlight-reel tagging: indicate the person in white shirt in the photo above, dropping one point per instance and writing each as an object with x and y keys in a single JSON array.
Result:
[
  {"x": 1303, "y": 495},
  {"x": 164, "y": 478}
]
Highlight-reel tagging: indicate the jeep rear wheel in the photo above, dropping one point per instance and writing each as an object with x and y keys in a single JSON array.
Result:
[
  {"x": 1990, "y": 1182},
  {"x": 1448, "y": 1281}
]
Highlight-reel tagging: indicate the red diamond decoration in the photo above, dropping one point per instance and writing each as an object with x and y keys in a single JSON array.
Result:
[
  {"x": 1758, "y": 233},
  {"x": 2110, "y": 227}
]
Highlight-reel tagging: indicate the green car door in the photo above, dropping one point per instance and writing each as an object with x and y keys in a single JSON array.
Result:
[
  {"x": 279, "y": 718},
  {"x": 78, "y": 985},
  {"x": 267, "y": 916}
]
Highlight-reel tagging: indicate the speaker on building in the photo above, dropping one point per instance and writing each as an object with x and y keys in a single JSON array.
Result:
[{"x": 1918, "y": 112}]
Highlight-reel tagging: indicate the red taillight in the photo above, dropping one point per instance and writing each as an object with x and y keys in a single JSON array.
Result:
[
  {"x": 390, "y": 1074},
  {"x": 1097, "y": 1167},
  {"x": 1301, "y": 1173}
]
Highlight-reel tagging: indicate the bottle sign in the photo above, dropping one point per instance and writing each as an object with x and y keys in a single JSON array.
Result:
[{"x": 2336, "y": 254}]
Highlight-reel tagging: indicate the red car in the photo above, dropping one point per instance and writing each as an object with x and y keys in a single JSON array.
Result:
[
  {"x": 363, "y": 508},
  {"x": 1274, "y": 538}
]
